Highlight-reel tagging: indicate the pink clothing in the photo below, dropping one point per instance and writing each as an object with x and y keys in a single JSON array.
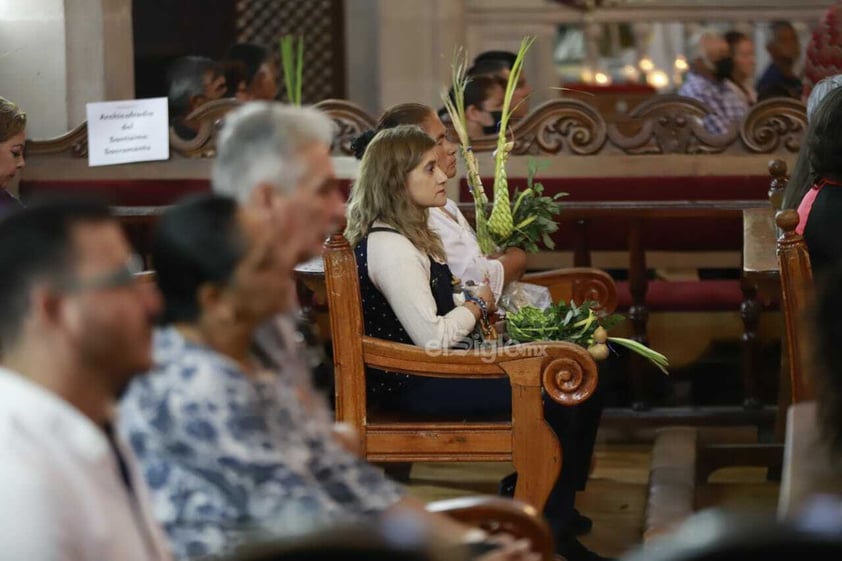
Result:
[{"x": 806, "y": 206}]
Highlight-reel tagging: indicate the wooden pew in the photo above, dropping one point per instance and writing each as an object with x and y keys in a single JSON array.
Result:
[
  {"x": 661, "y": 156},
  {"x": 563, "y": 371},
  {"x": 622, "y": 184},
  {"x": 808, "y": 467}
]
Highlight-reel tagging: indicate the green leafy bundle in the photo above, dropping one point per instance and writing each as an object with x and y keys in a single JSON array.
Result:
[
  {"x": 580, "y": 325},
  {"x": 534, "y": 215}
]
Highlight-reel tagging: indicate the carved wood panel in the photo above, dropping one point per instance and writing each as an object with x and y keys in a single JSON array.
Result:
[
  {"x": 321, "y": 22},
  {"x": 665, "y": 125}
]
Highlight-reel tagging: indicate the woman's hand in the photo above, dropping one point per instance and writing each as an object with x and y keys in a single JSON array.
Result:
[{"x": 483, "y": 292}]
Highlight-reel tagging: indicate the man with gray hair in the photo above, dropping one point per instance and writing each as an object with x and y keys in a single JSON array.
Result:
[
  {"x": 271, "y": 156},
  {"x": 275, "y": 159},
  {"x": 711, "y": 65},
  {"x": 192, "y": 81}
]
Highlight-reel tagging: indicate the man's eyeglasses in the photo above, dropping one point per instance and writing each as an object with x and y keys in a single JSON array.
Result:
[{"x": 124, "y": 276}]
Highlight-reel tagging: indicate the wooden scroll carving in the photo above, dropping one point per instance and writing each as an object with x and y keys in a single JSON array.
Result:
[
  {"x": 773, "y": 123},
  {"x": 568, "y": 381},
  {"x": 564, "y": 125},
  {"x": 74, "y": 141},
  {"x": 670, "y": 124},
  {"x": 351, "y": 120},
  {"x": 210, "y": 118},
  {"x": 667, "y": 124}
]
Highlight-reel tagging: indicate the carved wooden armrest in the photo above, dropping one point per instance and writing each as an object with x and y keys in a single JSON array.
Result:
[
  {"x": 567, "y": 372},
  {"x": 578, "y": 284},
  {"x": 498, "y": 515}
]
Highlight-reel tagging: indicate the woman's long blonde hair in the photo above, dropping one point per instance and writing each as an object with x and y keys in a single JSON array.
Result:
[
  {"x": 381, "y": 193},
  {"x": 12, "y": 119}
]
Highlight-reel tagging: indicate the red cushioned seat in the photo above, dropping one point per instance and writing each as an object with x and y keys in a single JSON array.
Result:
[
  {"x": 666, "y": 234},
  {"x": 119, "y": 192},
  {"x": 686, "y": 296}
]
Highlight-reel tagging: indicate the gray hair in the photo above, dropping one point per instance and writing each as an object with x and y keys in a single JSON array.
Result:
[
  {"x": 696, "y": 44},
  {"x": 185, "y": 79},
  {"x": 259, "y": 143},
  {"x": 820, "y": 90}
]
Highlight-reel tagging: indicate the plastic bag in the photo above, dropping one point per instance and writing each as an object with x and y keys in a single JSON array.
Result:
[{"x": 519, "y": 294}]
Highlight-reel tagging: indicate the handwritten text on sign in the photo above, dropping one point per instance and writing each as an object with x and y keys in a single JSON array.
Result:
[{"x": 120, "y": 132}]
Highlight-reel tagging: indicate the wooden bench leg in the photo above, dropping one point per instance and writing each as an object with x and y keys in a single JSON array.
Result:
[{"x": 536, "y": 451}]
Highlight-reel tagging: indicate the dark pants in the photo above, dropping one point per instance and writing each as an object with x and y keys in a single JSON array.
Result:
[{"x": 468, "y": 399}]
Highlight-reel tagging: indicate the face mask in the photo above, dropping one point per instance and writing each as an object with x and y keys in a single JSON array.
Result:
[
  {"x": 492, "y": 129},
  {"x": 723, "y": 68}
]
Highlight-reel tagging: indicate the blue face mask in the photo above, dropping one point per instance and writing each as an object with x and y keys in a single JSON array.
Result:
[{"x": 492, "y": 129}]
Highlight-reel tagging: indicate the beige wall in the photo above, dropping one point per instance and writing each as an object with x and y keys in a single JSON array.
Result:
[
  {"x": 33, "y": 64},
  {"x": 58, "y": 55},
  {"x": 417, "y": 41}
]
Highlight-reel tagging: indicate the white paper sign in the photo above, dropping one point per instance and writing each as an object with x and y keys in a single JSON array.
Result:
[{"x": 135, "y": 130}]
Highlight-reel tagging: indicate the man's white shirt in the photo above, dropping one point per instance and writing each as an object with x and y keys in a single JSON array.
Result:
[{"x": 62, "y": 496}]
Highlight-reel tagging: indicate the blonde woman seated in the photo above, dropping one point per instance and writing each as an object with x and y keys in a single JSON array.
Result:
[
  {"x": 462, "y": 251},
  {"x": 407, "y": 297}
]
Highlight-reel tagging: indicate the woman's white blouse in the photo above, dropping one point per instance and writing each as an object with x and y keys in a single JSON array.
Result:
[
  {"x": 402, "y": 274},
  {"x": 464, "y": 257}
]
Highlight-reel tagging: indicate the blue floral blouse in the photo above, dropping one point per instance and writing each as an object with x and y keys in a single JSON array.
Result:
[{"x": 230, "y": 458}]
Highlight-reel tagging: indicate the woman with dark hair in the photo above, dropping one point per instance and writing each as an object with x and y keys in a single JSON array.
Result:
[
  {"x": 260, "y": 76},
  {"x": 229, "y": 448},
  {"x": 821, "y": 206},
  {"x": 484, "y": 105},
  {"x": 225, "y": 444},
  {"x": 407, "y": 293},
  {"x": 801, "y": 178},
  {"x": 741, "y": 79},
  {"x": 12, "y": 144}
]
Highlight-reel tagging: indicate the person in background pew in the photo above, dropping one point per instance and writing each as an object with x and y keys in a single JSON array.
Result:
[
  {"x": 821, "y": 206},
  {"x": 499, "y": 64},
  {"x": 192, "y": 81},
  {"x": 484, "y": 105},
  {"x": 235, "y": 80},
  {"x": 779, "y": 79},
  {"x": 12, "y": 144},
  {"x": 710, "y": 66},
  {"x": 76, "y": 327},
  {"x": 467, "y": 262},
  {"x": 741, "y": 80},
  {"x": 801, "y": 178},
  {"x": 407, "y": 295},
  {"x": 230, "y": 451},
  {"x": 261, "y": 81}
]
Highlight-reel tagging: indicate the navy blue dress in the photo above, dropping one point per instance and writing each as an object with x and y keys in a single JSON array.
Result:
[{"x": 418, "y": 394}]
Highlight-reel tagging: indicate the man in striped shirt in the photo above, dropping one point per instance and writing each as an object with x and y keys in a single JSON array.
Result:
[{"x": 706, "y": 82}]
